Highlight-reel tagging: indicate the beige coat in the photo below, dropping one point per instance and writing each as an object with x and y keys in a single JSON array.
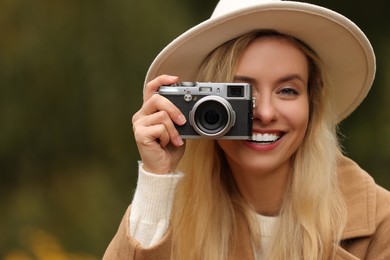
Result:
[{"x": 367, "y": 234}]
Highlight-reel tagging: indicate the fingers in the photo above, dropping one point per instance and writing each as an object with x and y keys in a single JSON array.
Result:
[
  {"x": 153, "y": 86},
  {"x": 157, "y": 126},
  {"x": 160, "y": 115},
  {"x": 159, "y": 103},
  {"x": 159, "y": 143}
]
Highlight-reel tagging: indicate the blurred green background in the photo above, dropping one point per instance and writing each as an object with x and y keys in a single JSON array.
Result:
[{"x": 71, "y": 76}]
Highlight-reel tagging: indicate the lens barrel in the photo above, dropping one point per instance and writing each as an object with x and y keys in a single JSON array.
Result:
[{"x": 212, "y": 116}]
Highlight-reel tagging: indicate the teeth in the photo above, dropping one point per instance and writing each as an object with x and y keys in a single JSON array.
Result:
[{"x": 265, "y": 137}]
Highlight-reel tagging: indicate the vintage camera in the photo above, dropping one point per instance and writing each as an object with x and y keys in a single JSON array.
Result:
[{"x": 213, "y": 110}]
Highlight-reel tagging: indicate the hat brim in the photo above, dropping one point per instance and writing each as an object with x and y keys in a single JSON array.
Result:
[{"x": 343, "y": 48}]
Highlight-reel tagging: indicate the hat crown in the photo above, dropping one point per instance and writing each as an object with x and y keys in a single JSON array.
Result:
[{"x": 228, "y": 6}]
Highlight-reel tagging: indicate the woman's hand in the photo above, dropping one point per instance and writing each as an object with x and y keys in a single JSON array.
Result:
[{"x": 158, "y": 141}]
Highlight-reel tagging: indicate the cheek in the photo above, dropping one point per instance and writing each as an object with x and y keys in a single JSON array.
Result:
[{"x": 297, "y": 114}]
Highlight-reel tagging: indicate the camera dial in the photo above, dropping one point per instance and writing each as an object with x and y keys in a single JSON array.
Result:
[
  {"x": 188, "y": 97},
  {"x": 187, "y": 84}
]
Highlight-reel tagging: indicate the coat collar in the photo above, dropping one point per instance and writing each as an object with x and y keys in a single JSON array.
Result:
[{"x": 359, "y": 191}]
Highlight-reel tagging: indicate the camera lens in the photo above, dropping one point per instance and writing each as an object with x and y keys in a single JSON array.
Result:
[{"x": 212, "y": 116}]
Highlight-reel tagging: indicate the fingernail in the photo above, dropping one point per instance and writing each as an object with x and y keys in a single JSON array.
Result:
[
  {"x": 181, "y": 120},
  {"x": 179, "y": 141}
]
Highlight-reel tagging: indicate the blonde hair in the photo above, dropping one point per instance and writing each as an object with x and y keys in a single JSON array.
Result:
[{"x": 312, "y": 216}]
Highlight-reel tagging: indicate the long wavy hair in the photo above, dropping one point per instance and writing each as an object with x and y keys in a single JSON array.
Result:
[{"x": 207, "y": 200}]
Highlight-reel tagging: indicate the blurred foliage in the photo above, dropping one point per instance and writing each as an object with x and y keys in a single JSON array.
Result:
[
  {"x": 71, "y": 76},
  {"x": 44, "y": 247}
]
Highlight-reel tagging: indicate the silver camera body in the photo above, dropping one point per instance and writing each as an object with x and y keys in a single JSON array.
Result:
[{"x": 213, "y": 110}]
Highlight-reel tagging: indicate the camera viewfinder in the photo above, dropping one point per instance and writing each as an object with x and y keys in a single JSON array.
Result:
[{"x": 235, "y": 91}]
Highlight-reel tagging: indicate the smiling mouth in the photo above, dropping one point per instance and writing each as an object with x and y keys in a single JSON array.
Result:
[{"x": 266, "y": 138}]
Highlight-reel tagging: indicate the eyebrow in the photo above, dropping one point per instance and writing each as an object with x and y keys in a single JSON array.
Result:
[
  {"x": 287, "y": 78},
  {"x": 243, "y": 78}
]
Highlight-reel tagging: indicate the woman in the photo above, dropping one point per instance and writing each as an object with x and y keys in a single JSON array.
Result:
[{"x": 288, "y": 193}]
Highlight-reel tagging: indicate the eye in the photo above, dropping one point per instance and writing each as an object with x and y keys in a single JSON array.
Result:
[{"x": 288, "y": 91}]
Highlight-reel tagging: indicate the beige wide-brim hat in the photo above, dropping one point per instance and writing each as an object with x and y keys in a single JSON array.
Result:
[{"x": 345, "y": 51}]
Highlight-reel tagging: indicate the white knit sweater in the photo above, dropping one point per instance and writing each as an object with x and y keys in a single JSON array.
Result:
[{"x": 152, "y": 205}]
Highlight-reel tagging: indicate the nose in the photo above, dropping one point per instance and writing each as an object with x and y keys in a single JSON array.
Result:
[{"x": 265, "y": 110}]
